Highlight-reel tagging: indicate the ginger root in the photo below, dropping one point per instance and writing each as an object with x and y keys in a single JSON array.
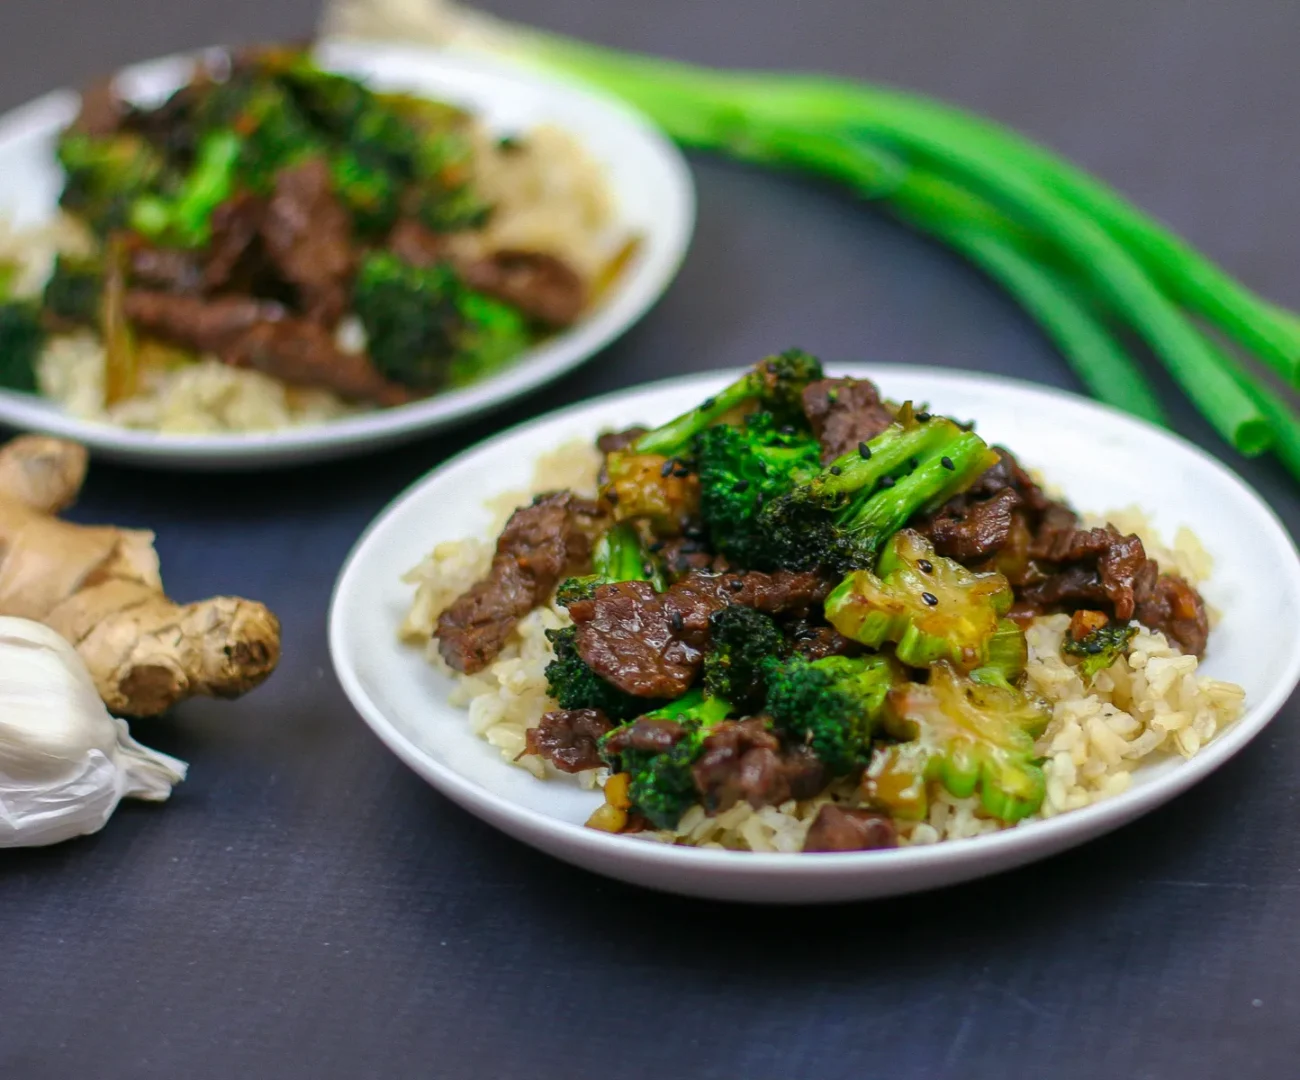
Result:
[{"x": 100, "y": 588}]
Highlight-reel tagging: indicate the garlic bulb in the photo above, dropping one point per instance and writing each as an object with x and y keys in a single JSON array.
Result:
[{"x": 65, "y": 763}]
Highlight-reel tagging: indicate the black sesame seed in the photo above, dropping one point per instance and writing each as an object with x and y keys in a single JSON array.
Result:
[
  {"x": 946, "y": 462},
  {"x": 926, "y": 566},
  {"x": 930, "y": 598},
  {"x": 740, "y": 485},
  {"x": 922, "y": 417},
  {"x": 735, "y": 584},
  {"x": 708, "y": 403},
  {"x": 864, "y": 451},
  {"x": 912, "y": 464},
  {"x": 836, "y": 470},
  {"x": 887, "y": 482},
  {"x": 676, "y": 619},
  {"x": 668, "y": 467}
]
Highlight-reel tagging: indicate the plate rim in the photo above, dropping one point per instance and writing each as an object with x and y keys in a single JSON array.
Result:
[
  {"x": 353, "y": 435},
  {"x": 589, "y": 846}
]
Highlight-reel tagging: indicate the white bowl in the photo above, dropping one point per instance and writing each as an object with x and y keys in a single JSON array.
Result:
[
  {"x": 648, "y": 179},
  {"x": 1101, "y": 458}
]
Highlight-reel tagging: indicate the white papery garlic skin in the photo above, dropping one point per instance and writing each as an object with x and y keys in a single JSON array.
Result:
[{"x": 65, "y": 762}]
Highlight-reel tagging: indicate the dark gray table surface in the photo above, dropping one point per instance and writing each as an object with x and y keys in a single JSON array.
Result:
[{"x": 306, "y": 906}]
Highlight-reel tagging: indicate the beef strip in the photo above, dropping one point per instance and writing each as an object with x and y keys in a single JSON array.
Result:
[
  {"x": 1008, "y": 473},
  {"x": 1175, "y": 608},
  {"x": 744, "y": 760},
  {"x": 101, "y": 112},
  {"x": 540, "y": 285},
  {"x": 972, "y": 530},
  {"x": 569, "y": 738},
  {"x": 168, "y": 269},
  {"x": 305, "y": 353},
  {"x": 412, "y": 242},
  {"x": 1099, "y": 565},
  {"x": 645, "y": 736},
  {"x": 816, "y": 642},
  {"x": 838, "y": 828},
  {"x": 308, "y": 237},
  {"x": 843, "y": 413},
  {"x": 541, "y": 544},
  {"x": 214, "y": 325},
  {"x": 258, "y": 334},
  {"x": 236, "y": 226},
  {"x": 650, "y": 644},
  {"x": 612, "y": 441}
]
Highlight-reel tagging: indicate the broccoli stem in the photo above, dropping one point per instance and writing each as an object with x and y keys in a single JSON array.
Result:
[
  {"x": 186, "y": 219},
  {"x": 675, "y": 436},
  {"x": 888, "y": 452},
  {"x": 618, "y": 556}
]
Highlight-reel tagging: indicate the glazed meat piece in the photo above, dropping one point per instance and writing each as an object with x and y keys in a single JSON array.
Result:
[
  {"x": 650, "y": 644},
  {"x": 308, "y": 237},
  {"x": 646, "y": 736},
  {"x": 213, "y": 325},
  {"x": 167, "y": 269},
  {"x": 1176, "y": 609},
  {"x": 101, "y": 112},
  {"x": 236, "y": 225},
  {"x": 613, "y": 441},
  {"x": 569, "y": 738},
  {"x": 1100, "y": 565},
  {"x": 970, "y": 530},
  {"x": 414, "y": 243},
  {"x": 838, "y": 828},
  {"x": 843, "y": 413},
  {"x": 541, "y": 544},
  {"x": 540, "y": 285},
  {"x": 816, "y": 642},
  {"x": 743, "y": 760},
  {"x": 1008, "y": 473},
  {"x": 305, "y": 353}
]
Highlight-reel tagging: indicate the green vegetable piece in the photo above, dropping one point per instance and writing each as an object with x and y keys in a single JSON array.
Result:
[
  {"x": 1099, "y": 648},
  {"x": 776, "y": 384},
  {"x": 841, "y": 518},
  {"x": 74, "y": 292},
  {"x": 663, "y": 787},
  {"x": 21, "y": 340},
  {"x": 1007, "y": 657},
  {"x": 185, "y": 219},
  {"x": 105, "y": 175},
  {"x": 932, "y": 608},
  {"x": 830, "y": 705},
  {"x": 742, "y": 643},
  {"x": 617, "y": 555},
  {"x": 426, "y": 329},
  {"x": 742, "y": 468},
  {"x": 962, "y": 734}
]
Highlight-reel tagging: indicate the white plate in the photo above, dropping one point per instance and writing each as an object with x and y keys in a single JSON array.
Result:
[
  {"x": 650, "y": 182},
  {"x": 1101, "y": 458}
]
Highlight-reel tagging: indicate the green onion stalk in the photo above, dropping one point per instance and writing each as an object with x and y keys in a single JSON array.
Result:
[{"x": 1079, "y": 258}]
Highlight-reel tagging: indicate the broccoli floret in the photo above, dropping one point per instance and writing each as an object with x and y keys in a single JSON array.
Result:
[
  {"x": 742, "y": 643},
  {"x": 662, "y": 785},
  {"x": 425, "y": 328},
  {"x": 931, "y": 607},
  {"x": 841, "y": 518},
  {"x": 743, "y": 468},
  {"x": 21, "y": 339},
  {"x": 776, "y": 384},
  {"x": 75, "y": 290},
  {"x": 185, "y": 218},
  {"x": 830, "y": 705},
  {"x": 1100, "y": 647},
  {"x": 368, "y": 190},
  {"x": 105, "y": 175},
  {"x": 965, "y": 735},
  {"x": 1006, "y": 659}
]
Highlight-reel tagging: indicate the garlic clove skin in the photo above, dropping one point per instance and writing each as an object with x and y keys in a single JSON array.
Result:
[{"x": 65, "y": 762}]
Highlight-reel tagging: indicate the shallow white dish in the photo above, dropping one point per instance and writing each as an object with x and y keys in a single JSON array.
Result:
[
  {"x": 649, "y": 179},
  {"x": 1256, "y": 586}
]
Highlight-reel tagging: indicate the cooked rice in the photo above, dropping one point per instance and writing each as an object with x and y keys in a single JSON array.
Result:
[
  {"x": 549, "y": 196},
  {"x": 1150, "y": 704}
]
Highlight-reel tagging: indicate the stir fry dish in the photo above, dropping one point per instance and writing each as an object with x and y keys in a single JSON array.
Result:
[
  {"x": 803, "y": 617},
  {"x": 281, "y": 219}
]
